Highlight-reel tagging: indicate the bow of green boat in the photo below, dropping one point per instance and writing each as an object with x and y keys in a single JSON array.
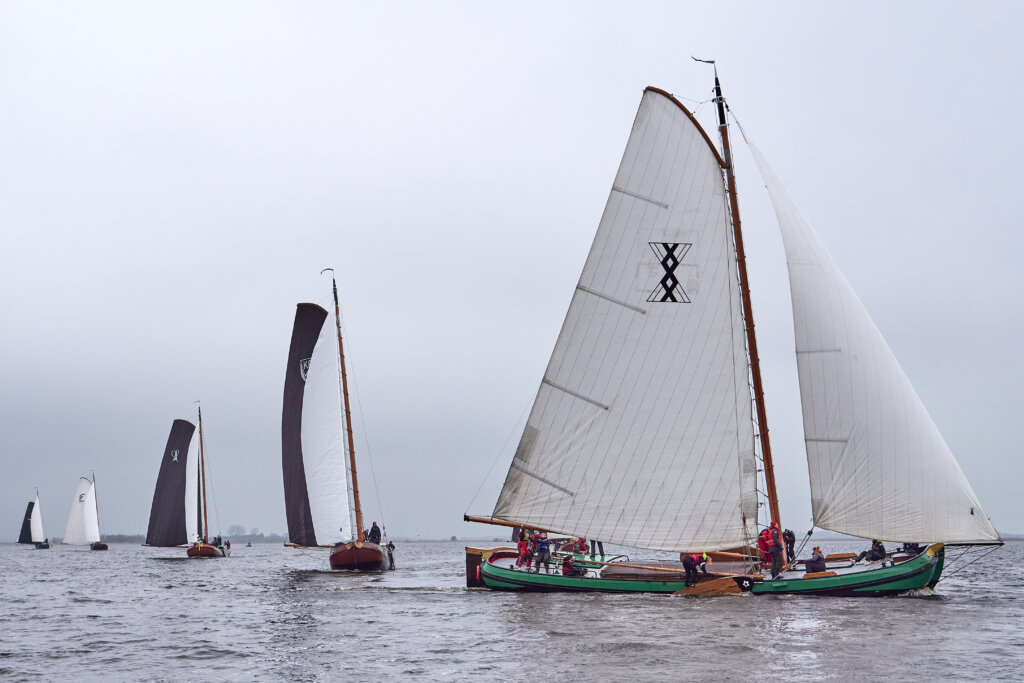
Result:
[{"x": 897, "y": 573}]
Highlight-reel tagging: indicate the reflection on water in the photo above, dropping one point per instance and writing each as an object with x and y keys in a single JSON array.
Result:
[{"x": 272, "y": 613}]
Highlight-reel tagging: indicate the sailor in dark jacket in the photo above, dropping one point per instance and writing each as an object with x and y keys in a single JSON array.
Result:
[
  {"x": 374, "y": 535},
  {"x": 817, "y": 561},
  {"x": 775, "y": 548},
  {"x": 876, "y": 553},
  {"x": 789, "y": 538}
]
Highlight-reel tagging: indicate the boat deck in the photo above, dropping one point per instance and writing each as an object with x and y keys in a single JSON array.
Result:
[
  {"x": 620, "y": 567},
  {"x": 843, "y": 567}
]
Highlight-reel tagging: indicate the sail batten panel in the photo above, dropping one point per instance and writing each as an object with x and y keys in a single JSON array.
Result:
[
  {"x": 82, "y": 527},
  {"x": 167, "y": 515},
  {"x": 878, "y": 466},
  {"x": 659, "y": 453}
]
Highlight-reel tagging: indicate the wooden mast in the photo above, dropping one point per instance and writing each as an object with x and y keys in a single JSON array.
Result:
[
  {"x": 358, "y": 536},
  {"x": 202, "y": 472},
  {"x": 748, "y": 311}
]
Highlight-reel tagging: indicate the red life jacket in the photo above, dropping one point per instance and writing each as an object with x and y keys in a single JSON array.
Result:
[
  {"x": 773, "y": 537},
  {"x": 567, "y": 564},
  {"x": 697, "y": 557}
]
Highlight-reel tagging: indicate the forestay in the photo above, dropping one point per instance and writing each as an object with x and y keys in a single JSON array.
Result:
[
  {"x": 878, "y": 466},
  {"x": 641, "y": 432},
  {"x": 83, "y": 526}
]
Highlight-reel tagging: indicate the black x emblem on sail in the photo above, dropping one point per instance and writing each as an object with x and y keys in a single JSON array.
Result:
[{"x": 668, "y": 289}]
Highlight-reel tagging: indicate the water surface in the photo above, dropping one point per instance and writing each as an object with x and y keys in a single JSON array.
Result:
[{"x": 273, "y": 613}]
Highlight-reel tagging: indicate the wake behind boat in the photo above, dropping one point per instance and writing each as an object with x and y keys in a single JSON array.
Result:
[
  {"x": 321, "y": 486},
  {"x": 649, "y": 429}
]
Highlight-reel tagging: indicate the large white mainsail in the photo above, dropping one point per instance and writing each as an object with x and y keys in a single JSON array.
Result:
[
  {"x": 641, "y": 432},
  {"x": 83, "y": 525},
  {"x": 879, "y": 468},
  {"x": 323, "y": 446}
]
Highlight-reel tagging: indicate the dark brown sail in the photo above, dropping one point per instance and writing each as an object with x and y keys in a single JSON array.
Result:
[
  {"x": 167, "y": 516},
  {"x": 309, "y": 319}
]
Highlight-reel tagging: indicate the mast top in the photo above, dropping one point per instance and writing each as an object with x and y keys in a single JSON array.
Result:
[
  {"x": 707, "y": 61},
  {"x": 334, "y": 284}
]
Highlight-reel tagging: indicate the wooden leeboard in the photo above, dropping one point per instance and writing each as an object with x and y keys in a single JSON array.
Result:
[{"x": 722, "y": 586}]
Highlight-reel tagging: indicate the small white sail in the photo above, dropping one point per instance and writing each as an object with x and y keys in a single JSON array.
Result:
[
  {"x": 192, "y": 493},
  {"x": 323, "y": 449},
  {"x": 38, "y": 536},
  {"x": 879, "y": 468},
  {"x": 83, "y": 526},
  {"x": 641, "y": 432}
]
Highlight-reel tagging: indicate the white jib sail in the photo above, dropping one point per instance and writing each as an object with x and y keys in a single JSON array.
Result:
[
  {"x": 879, "y": 468},
  {"x": 192, "y": 491},
  {"x": 37, "y": 523},
  {"x": 323, "y": 444},
  {"x": 641, "y": 432},
  {"x": 83, "y": 525}
]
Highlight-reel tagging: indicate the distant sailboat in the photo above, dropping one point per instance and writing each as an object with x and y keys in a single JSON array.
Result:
[
  {"x": 645, "y": 425},
  {"x": 32, "y": 526},
  {"x": 178, "y": 513},
  {"x": 321, "y": 488},
  {"x": 83, "y": 525}
]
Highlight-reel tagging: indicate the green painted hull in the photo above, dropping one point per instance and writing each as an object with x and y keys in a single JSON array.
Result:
[
  {"x": 500, "y": 578},
  {"x": 921, "y": 572}
]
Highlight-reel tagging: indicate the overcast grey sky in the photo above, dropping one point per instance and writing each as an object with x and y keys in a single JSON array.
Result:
[{"x": 173, "y": 177}]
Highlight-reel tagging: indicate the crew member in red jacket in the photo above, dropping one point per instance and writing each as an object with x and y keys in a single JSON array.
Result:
[
  {"x": 691, "y": 563},
  {"x": 775, "y": 548},
  {"x": 762, "y": 545}
]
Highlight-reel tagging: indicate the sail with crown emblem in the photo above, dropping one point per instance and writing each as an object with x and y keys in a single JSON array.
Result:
[{"x": 312, "y": 449}]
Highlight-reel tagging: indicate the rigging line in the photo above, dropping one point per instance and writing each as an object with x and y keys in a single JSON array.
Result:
[
  {"x": 362, "y": 421},
  {"x": 501, "y": 450},
  {"x": 212, "y": 492},
  {"x": 803, "y": 544},
  {"x": 980, "y": 557}
]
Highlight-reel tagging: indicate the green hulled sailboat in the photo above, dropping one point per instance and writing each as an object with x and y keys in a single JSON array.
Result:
[{"x": 649, "y": 429}]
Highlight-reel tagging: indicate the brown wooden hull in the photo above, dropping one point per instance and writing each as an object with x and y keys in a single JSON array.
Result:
[
  {"x": 360, "y": 556},
  {"x": 206, "y": 550},
  {"x": 98, "y": 545}
]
